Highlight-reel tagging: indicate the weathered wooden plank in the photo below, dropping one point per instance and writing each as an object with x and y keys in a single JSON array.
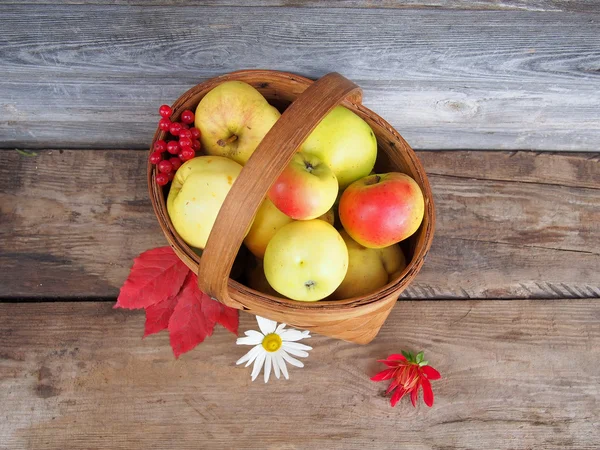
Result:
[
  {"x": 520, "y": 5},
  {"x": 523, "y": 227},
  {"x": 445, "y": 79},
  {"x": 516, "y": 375}
]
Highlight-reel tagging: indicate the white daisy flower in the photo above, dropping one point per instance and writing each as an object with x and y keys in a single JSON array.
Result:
[{"x": 272, "y": 348}]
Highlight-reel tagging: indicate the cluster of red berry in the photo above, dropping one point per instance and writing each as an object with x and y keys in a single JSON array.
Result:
[{"x": 183, "y": 146}]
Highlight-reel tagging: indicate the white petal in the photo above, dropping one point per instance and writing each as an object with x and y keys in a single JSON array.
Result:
[
  {"x": 249, "y": 356},
  {"x": 267, "y": 367},
  {"x": 260, "y": 360},
  {"x": 266, "y": 325},
  {"x": 250, "y": 340},
  {"x": 293, "y": 335},
  {"x": 275, "y": 365},
  {"x": 296, "y": 345},
  {"x": 280, "y": 328},
  {"x": 281, "y": 363},
  {"x": 293, "y": 351},
  {"x": 255, "y": 334},
  {"x": 291, "y": 360}
]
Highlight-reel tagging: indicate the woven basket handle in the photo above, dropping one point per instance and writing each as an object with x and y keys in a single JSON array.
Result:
[{"x": 262, "y": 169}]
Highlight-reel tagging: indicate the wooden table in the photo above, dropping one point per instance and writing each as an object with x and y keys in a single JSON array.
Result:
[{"x": 502, "y": 100}]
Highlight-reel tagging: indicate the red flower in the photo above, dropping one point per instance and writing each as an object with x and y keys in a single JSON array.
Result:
[{"x": 408, "y": 373}]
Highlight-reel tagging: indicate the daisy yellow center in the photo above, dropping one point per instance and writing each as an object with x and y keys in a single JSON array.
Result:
[{"x": 271, "y": 342}]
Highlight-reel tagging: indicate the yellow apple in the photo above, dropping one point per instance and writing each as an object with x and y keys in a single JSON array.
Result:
[
  {"x": 306, "y": 189},
  {"x": 368, "y": 268},
  {"x": 267, "y": 221},
  {"x": 306, "y": 260},
  {"x": 196, "y": 195},
  {"x": 233, "y": 118},
  {"x": 346, "y": 143}
]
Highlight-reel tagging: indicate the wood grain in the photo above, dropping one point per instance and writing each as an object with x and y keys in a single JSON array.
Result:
[
  {"x": 521, "y": 5},
  {"x": 516, "y": 375},
  {"x": 510, "y": 225},
  {"x": 92, "y": 76}
]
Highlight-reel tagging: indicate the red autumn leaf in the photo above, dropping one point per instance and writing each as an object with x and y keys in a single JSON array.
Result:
[
  {"x": 156, "y": 275},
  {"x": 189, "y": 325},
  {"x": 218, "y": 312},
  {"x": 158, "y": 315}
]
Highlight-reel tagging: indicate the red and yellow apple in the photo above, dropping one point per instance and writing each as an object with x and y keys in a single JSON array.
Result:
[
  {"x": 306, "y": 189},
  {"x": 381, "y": 210},
  {"x": 196, "y": 195},
  {"x": 267, "y": 221},
  {"x": 306, "y": 260},
  {"x": 233, "y": 118},
  {"x": 368, "y": 268},
  {"x": 346, "y": 143}
]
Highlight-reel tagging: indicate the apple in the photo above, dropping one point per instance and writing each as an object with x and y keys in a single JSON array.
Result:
[
  {"x": 306, "y": 189},
  {"x": 368, "y": 268},
  {"x": 306, "y": 260},
  {"x": 267, "y": 221},
  {"x": 196, "y": 195},
  {"x": 233, "y": 118},
  {"x": 380, "y": 210},
  {"x": 346, "y": 143}
]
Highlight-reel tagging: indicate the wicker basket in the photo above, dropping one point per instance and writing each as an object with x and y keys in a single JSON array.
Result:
[{"x": 306, "y": 103}]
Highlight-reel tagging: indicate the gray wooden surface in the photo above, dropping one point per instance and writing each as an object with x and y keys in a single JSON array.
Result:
[{"x": 91, "y": 76}]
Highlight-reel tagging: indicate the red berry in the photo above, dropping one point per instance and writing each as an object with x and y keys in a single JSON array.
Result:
[
  {"x": 160, "y": 146},
  {"x": 155, "y": 157},
  {"x": 175, "y": 128},
  {"x": 162, "y": 179},
  {"x": 196, "y": 144},
  {"x": 185, "y": 142},
  {"x": 175, "y": 162},
  {"x": 165, "y": 111},
  {"x": 187, "y": 153},
  {"x": 195, "y": 132},
  {"x": 187, "y": 116},
  {"x": 185, "y": 133},
  {"x": 165, "y": 166},
  {"x": 173, "y": 147},
  {"x": 171, "y": 175},
  {"x": 185, "y": 126},
  {"x": 164, "y": 124}
]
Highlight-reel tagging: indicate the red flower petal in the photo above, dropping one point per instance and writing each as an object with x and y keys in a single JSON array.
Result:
[
  {"x": 427, "y": 392},
  {"x": 393, "y": 385},
  {"x": 396, "y": 357},
  {"x": 414, "y": 395},
  {"x": 431, "y": 373},
  {"x": 383, "y": 375},
  {"x": 397, "y": 396}
]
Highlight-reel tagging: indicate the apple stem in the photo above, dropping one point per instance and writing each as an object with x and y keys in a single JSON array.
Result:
[
  {"x": 229, "y": 140},
  {"x": 374, "y": 179}
]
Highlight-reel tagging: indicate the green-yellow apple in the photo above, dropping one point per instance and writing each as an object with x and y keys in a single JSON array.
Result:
[
  {"x": 346, "y": 143},
  {"x": 306, "y": 260},
  {"x": 197, "y": 193},
  {"x": 267, "y": 221},
  {"x": 306, "y": 189},
  {"x": 368, "y": 268},
  {"x": 380, "y": 210},
  {"x": 233, "y": 118}
]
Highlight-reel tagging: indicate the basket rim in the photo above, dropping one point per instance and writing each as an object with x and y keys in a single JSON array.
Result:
[{"x": 192, "y": 260}]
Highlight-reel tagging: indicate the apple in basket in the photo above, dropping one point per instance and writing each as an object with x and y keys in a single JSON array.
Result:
[
  {"x": 368, "y": 268},
  {"x": 196, "y": 195},
  {"x": 306, "y": 260},
  {"x": 306, "y": 189},
  {"x": 346, "y": 143},
  {"x": 381, "y": 210},
  {"x": 233, "y": 118},
  {"x": 267, "y": 221}
]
